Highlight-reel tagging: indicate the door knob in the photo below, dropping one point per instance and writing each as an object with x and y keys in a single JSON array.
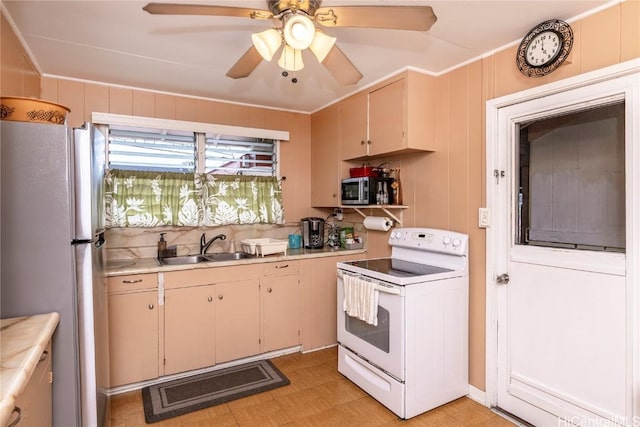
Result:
[{"x": 502, "y": 279}]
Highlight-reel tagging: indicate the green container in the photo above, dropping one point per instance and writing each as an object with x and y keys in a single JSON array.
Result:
[{"x": 346, "y": 236}]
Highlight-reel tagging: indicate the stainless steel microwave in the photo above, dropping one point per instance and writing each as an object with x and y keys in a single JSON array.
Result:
[{"x": 367, "y": 190}]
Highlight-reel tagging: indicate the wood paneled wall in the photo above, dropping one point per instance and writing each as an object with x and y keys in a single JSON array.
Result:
[
  {"x": 446, "y": 188},
  {"x": 18, "y": 75}
]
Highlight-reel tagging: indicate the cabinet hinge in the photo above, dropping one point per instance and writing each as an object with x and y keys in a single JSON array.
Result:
[
  {"x": 164, "y": 361},
  {"x": 50, "y": 377}
]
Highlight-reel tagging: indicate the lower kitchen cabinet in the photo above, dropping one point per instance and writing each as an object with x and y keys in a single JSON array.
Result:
[
  {"x": 189, "y": 333},
  {"x": 237, "y": 323},
  {"x": 215, "y": 315},
  {"x": 279, "y": 306},
  {"x": 211, "y": 316},
  {"x": 205, "y": 325},
  {"x": 319, "y": 300},
  {"x": 35, "y": 400},
  {"x": 133, "y": 328}
]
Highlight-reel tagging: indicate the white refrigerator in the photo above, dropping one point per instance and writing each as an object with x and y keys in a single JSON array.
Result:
[{"x": 52, "y": 256}]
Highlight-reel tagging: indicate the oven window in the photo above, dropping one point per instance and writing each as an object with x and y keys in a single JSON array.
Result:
[{"x": 377, "y": 336}]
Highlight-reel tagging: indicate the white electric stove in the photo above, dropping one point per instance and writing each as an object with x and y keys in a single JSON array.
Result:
[{"x": 416, "y": 357}]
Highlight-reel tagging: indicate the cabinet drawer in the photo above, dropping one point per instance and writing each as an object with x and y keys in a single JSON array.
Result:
[
  {"x": 282, "y": 268},
  {"x": 210, "y": 276},
  {"x": 134, "y": 282}
]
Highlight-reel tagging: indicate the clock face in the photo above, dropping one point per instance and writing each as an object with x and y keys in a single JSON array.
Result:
[{"x": 544, "y": 48}]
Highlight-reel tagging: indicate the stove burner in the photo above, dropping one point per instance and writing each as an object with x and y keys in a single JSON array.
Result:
[{"x": 397, "y": 267}]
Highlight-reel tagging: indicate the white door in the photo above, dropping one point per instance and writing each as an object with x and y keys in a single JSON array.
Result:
[{"x": 560, "y": 269}]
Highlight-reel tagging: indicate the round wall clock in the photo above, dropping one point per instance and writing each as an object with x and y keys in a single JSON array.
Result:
[{"x": 544, "y": 48}]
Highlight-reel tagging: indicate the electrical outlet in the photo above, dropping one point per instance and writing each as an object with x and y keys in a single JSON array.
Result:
[
  {"x": 337, "y": 212},
  {"x": 483, "y": 217}
]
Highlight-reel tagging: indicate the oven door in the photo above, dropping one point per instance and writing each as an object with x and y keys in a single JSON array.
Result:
[{"x": 381, "y": 345}]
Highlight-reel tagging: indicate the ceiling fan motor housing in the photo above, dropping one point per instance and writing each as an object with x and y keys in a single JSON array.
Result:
[{"x": 307, "y": 6}]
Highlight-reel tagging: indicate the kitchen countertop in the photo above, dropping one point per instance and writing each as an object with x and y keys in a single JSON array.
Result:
[
  {"x": 23, "y": 341},
  {"x": 150, "y": 265}
]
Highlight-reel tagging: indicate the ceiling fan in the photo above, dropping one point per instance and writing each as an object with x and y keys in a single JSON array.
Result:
[{"x": 295, "y": 30}]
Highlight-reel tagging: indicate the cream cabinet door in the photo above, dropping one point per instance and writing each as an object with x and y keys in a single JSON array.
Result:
[
  {"x": 353, "y": 127},
  {"x": 133, "y": 337},
  {"x": 326, "y": 167},
  {"x": 386, "y": 118},
  {"x": 189, "y": 332},
  {"x": 279, "y": 312},
  {"x": 35, "y": 399},
  {"x": 237, "y": 325}
]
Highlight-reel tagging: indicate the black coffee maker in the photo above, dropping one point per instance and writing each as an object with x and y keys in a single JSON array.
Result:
[{"x": 312, "y": 232}]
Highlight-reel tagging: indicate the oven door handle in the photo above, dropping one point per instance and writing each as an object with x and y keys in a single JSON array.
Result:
[
  {"x": 387, "y": 289},
  {"x": 378, "y": 286}
]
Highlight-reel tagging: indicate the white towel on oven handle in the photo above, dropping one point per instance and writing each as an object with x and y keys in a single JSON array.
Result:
[{"x": 360, "y": 299}]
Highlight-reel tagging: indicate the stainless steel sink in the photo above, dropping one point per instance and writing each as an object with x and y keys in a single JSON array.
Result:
[
  {"x": 180, "y": 260},
  {"x": 228, "y": 256},
  {"x": 196, "y": 259}
]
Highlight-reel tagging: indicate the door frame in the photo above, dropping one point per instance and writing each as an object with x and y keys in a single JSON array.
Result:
[{"x": 495, "y": 241}]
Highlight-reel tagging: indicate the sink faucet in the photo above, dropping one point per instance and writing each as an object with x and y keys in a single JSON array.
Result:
[{"x": 204, "y": 244}]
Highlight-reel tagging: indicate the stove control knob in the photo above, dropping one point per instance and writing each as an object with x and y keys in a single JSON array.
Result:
[
  {"x": 446, "y": 240},
  {"x": 456, "y": 242}
]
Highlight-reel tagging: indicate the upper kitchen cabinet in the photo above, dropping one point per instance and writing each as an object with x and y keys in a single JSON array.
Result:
[
  {"x": 354, "y": 133},
  {"x": 394, "y": 117},
  {"x": 326, "y": 167}
]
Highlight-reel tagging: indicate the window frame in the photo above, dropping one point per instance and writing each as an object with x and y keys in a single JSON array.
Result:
[{"x": 104, "y": 120}]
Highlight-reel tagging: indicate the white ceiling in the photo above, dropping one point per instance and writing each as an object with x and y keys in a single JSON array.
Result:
[{"x": 116, "y": 42}]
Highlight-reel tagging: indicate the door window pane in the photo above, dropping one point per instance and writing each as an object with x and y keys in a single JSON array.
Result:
[{"x": 571, "y": 190}]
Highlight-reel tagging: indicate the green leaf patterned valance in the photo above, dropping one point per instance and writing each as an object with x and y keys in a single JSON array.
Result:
[{"x": 150, "y": 199}]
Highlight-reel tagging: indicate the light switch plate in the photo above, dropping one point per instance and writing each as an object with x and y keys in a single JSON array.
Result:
[{"x": 483, "y": 217}]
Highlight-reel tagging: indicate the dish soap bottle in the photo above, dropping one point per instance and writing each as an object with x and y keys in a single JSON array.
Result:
[{"x": 162, "y": 245}]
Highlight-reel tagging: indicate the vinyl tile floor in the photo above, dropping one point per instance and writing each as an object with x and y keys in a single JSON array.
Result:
[{"x": 317, "y": 396}]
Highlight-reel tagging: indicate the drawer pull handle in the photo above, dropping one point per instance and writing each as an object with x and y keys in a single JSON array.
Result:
[
  {"x": 132, "y": 281},
  {"x": 43, "y": 356},
  {"x": 220, "y": 297},
  {"x": 15, "y": 422},
  {"x": 282, "y": 266},
  {"x": 210, "y": 299},
  {"x": 269, "y": 290},
  {"x": 150, "y": 306}
]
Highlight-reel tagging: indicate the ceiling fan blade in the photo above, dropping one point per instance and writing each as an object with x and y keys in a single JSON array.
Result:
[
  {"x": 340, "y": 67},
  {"x": 201, "y": 9},
  {"x": 419, "y": 18},
  {"x": 246, "y": 64}
]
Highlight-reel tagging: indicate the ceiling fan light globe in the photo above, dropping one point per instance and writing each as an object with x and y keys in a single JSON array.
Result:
[
  {"x": 267, "y": 43},
  {"x": 291, "y": 59},
  {"x": 299, "y": 31},
  {"x": 321, "y": 45}
]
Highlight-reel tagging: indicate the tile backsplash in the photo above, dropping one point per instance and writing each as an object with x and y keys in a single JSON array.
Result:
[{"x": 134, "y": 243}]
